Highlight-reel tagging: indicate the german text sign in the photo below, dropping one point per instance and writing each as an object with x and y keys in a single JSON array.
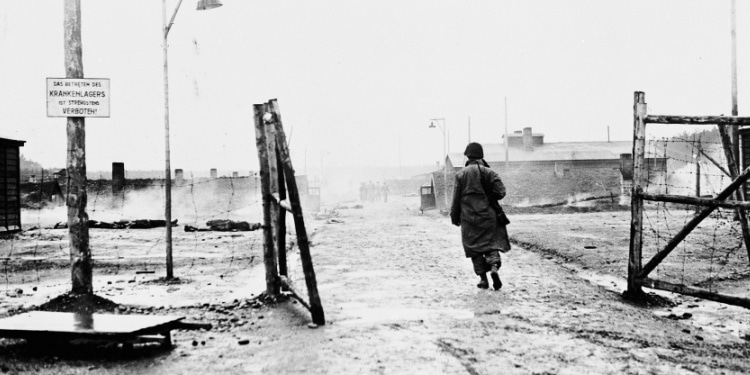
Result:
[{"x": 71, "y": 97}]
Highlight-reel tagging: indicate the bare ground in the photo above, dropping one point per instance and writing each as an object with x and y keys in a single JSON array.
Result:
[{"x": 399, "y": 298}]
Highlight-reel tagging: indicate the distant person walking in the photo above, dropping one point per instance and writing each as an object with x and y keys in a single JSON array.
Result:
[
  {"x": 477, "y": 190},
  {"x": 384, "y": 192}
]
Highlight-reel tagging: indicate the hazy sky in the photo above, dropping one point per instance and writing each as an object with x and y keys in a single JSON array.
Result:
[{"x": 358, "y": 81}]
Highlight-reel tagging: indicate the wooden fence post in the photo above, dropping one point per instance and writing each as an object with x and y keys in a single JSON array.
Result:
[
  {"x": 78, "y": 220},
  {"x": 316, "y": 308},
  {"x": 270, "y": 132},
  {"x": 636, "y": 202},
  {"x": 734, "y": 170},
  {"x": 281, "y": 223},
  {"x": 272, "y": 285}
]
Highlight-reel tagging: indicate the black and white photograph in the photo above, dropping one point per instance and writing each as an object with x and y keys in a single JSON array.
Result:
[{"x": 375, "y": 187}]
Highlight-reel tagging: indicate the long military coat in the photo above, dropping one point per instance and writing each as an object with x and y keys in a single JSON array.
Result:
[{"x": 471, "y": 209}]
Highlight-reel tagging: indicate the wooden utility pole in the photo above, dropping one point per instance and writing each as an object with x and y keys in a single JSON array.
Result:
[
  {"x": 734, "y": 144},
  {"x": 734, "y": 75},
  {"x": 78, "y": 220}
]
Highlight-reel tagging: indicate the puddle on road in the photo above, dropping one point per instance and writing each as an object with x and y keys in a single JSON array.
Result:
[
  {"x": 708, "y": 315},
  {"x": 358, "y": 315}
]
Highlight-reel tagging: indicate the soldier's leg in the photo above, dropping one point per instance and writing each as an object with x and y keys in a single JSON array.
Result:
[
  {"x": 495, "y": 261},
  {"x": 480, "y": 268}
]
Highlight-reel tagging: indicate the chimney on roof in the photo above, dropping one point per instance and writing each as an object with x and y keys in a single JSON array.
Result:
[
  {"x": 527, "y": 139},
  {"x": 118, "y": 177}
]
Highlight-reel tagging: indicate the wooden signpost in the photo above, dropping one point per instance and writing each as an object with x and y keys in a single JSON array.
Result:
[
  {"x": 80, "y": 253},
  {"x": 278, "y": 183}
]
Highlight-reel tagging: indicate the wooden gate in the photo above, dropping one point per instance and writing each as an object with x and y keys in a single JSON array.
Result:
[{"x": 637, "y": 272}]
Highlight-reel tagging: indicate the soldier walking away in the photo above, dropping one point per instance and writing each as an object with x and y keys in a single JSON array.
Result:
[{"x": 475, "y": 209}]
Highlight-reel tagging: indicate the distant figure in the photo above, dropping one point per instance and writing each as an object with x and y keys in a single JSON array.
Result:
[
  {"x": 369, "y": 192},
  {"x": 477, "y": 190},
  {"x": 376, "y": 192},
  {"x": 384, "y": 191},
  {"x": 362, "y": 192}
]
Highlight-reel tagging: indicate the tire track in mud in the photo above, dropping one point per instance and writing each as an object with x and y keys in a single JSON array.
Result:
[{"x": 465, "y": 356}]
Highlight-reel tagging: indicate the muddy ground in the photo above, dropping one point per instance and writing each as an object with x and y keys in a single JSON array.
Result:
[{"x": 399, "y": 297}]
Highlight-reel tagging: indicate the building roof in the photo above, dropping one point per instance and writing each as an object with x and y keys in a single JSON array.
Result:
[
  {"x": 519, "y": 134},
  {"x": 11, "y": 142},
  {"x": 562, "y": 151}
]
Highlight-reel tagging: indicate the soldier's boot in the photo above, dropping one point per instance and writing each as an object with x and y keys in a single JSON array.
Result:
[
  {"x": 483, "y": 283},
  {"x": 496, "y": 282}
]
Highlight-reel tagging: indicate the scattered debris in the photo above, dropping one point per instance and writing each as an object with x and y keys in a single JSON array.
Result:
[
  {"x": 122, "y": 224},
  {"x": 356, "y": 207},
  {"x": 84, "y": 303},
  {"x": 325, "y": 215},
  {"x": 680, "y": 317},
  {"x": 225, "y": 226}
]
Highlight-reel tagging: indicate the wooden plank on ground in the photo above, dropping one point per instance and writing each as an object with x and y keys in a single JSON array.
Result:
[{"x": 68, "y": 326}]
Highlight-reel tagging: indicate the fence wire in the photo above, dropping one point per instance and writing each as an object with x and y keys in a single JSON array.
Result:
[
  {"x": 126, "y": 241},
  {"x": 714, "y": 253}
]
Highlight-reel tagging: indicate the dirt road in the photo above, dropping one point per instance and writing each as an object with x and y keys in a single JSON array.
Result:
[{"x": 400, "y": 298}]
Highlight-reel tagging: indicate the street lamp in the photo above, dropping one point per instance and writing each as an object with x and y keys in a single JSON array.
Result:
[
  {"x": 202, "y": 5},
  {"x": 443, "y": 128}
]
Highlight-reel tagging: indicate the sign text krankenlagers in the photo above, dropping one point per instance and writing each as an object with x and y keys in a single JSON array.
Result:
[{"x": 70, "y": 97}]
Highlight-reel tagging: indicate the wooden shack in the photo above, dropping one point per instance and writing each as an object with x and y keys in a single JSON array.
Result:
[{"x": 10, "y": 180}]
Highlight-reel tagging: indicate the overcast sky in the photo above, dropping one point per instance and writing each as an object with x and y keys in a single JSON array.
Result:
[{"x": 359, "y": 81}]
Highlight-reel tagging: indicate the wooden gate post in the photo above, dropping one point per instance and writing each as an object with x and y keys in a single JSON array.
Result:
[
  {"x": 281, "y": 220},
  {"x": 273, "y": 172},
  {"x": 636, "y": 202},
  {"x": 272, "y": 285},
  {"x": 316, "y": 308},
  {"x": 734, "y": 171},
  {"x": 78, "y": 220}
]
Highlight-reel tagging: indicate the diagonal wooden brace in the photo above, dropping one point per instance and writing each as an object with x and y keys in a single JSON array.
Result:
[{"x": 724, "y": 194}]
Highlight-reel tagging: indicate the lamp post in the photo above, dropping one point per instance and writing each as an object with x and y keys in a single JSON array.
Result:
[
  {"x": 443, "y": 128},
  {"x": 202, "y": 5}
]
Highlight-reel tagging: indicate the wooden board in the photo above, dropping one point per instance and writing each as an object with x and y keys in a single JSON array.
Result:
[{"x": 68, "y": 326}]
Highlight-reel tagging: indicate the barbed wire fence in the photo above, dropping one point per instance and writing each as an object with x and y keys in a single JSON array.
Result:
[
  {"x": 714, "y": 250},
  {"x": 215, "y": 234},
  {"x": 686, "y": 224}
]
